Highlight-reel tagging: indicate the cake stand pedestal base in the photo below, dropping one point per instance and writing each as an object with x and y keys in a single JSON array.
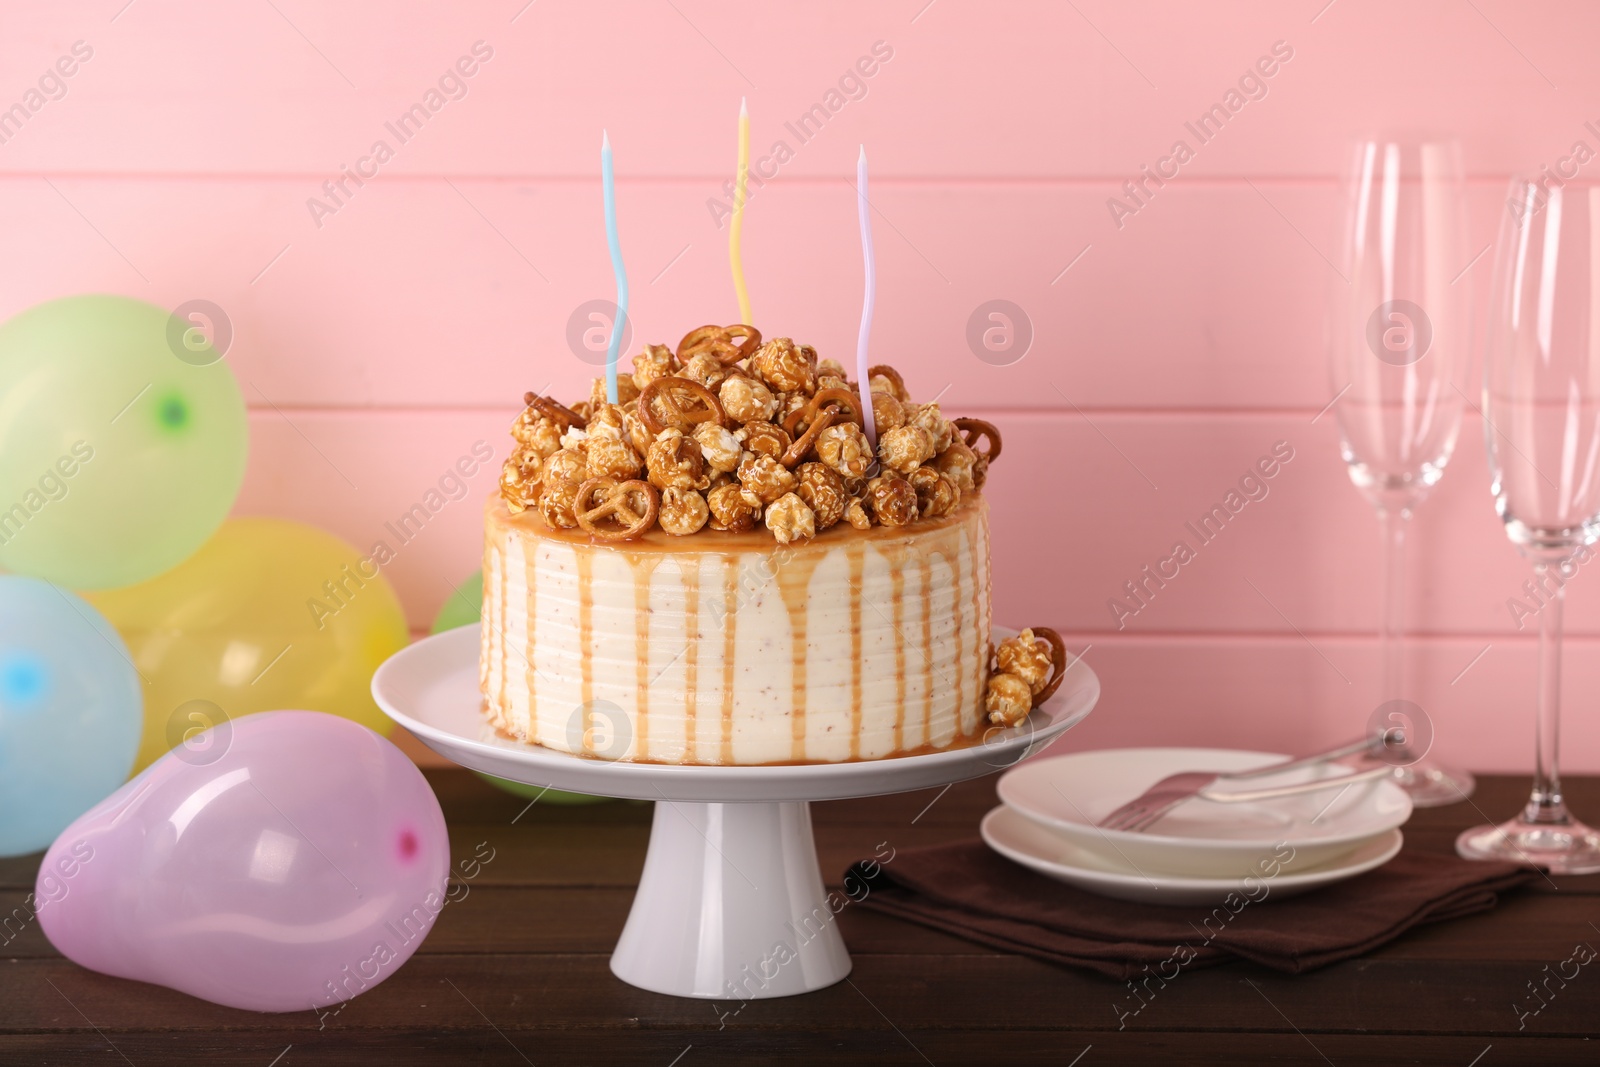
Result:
[{"x": 731, "y": 906}]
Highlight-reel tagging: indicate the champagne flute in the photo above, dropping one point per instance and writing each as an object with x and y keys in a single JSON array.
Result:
[
  {"x": 1398, "y": 359},
  {"x": 1542, "y": 424}
]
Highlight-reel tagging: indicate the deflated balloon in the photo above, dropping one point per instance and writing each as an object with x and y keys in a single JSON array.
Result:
[{"x": 290, "y": 864}]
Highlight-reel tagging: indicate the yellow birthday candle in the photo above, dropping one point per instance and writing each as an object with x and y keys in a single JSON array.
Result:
[{"x": 735, "y": 263}]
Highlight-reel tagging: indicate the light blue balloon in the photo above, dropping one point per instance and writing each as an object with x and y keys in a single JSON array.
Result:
[{"x": 70, "y": 711}]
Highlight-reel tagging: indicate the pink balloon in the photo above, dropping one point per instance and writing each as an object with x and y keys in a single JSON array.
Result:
[{"x": 279, "y": 862}]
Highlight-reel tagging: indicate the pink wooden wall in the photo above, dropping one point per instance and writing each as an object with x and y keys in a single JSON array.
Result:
[{"x": 377, "y": 343}]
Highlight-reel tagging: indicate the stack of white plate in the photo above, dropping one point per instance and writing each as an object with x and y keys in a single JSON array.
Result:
[{"x": 1202, "y": 850}]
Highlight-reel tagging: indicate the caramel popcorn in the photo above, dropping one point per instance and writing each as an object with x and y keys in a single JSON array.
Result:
[
  {"x": 747, "y": 400},
  {"x": 937, "y": 494},
  {"x": 751, "y": 432},
  {"x": 612, "y": 457},
  {"x": 708, "y": 370},
  {"x": 786, "y": 366},
  {"x": 1027, "y": 657},
  {"x": 957, "y": 463},
  {"x": 790, "y": 518},
  {"x": 929, "y": 417},
  {"x": 905, "y": 448},
  {"x": 1009, "y": 699},
  {"x": 764, "y": 438},
  {"x": 568, "y": 466},
  {"x": 881, "y": 383},
  {"x": 887, "y": 412},
  {"x": 656, "y": 361},
  {"x": 683, "y": 511},
  {"x": 789, "y": 403},
  {"x": 556, "y": 505},
  {"x": 893, "y": 501},
  {"x": 635, "y": 431},
  {"x": 607, "y": 421},
  {"x": 844, "y": 448},
  {"x": 627, "y": 392},
  {"x": 675, "y": 462},
  {"x": 538, "y": 432},
  {"x": 520, "y": 479},
  {"x": 720, "y": 449},
  {"x": 765, "y": 477},
  {"x": 733, "y": 507},
  {"x": 822, "y": 489}
]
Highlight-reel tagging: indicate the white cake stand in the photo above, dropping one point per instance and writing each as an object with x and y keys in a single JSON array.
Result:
[{"x": 731, "y": 903}]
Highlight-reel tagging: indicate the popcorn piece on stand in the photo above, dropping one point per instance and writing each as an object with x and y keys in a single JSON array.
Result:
[{"x": 1009, "y": 699}]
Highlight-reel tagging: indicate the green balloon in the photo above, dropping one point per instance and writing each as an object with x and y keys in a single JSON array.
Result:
[
  {"x": 464, "y": 608},
  {"x": 122, "y": 440}
]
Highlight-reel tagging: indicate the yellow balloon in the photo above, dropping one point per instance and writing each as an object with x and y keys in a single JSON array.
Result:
[{"x": 268, "y": 614}]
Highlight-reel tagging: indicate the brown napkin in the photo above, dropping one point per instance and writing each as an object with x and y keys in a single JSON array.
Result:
[{"x": 968, "y": 890}]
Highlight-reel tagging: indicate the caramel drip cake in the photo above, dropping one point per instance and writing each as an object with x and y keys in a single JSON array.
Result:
[{"x": 721, "y": 569}]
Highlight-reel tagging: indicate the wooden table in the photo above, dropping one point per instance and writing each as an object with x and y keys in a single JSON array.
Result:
[{"x": 516, "y": 973}]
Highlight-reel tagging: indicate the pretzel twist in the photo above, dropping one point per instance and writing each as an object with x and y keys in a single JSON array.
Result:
[
  {"x": 837, "y": 396},
  {"x": 802, "y": 444},
  {"x": 1058, "y": 661},
  {"x": 972, "y": 430},
  {"x": 618, "y": 502},
  {"x": 554, "y": 410},
  {"x": 719, "y": 342},
  {"x": 679, "y": 414},
  {"x": 889, "y": 373}
]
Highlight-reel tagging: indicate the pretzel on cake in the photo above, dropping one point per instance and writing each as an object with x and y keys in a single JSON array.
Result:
[
  {"x": 630, "y": 506},
  {"x": 554, "y": 410},
  {"x": 972, "y": 430},
  {"x": 802, "y": 444},
  {"x": 890, "y": 373},
  {"x": 678, "y": 398},
  {"x": 718, "y": 341},
  {"x": 834, "y": 395}
]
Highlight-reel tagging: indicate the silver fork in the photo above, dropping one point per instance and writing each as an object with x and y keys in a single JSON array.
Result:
[{"x": 1142, "y": 812}]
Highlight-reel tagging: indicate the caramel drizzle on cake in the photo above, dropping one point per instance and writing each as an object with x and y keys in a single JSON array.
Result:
[{"x": 574, "y": 595}]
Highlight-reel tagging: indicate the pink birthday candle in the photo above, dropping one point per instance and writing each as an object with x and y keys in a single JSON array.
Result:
[{"x": 865, "y": 211}]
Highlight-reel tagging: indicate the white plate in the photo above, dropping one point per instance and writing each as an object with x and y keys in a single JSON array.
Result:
[
  {"x": 1069, "y": 794},
  {"x": 431, "y": 688},
  {"x": 1106, "y": 874}
]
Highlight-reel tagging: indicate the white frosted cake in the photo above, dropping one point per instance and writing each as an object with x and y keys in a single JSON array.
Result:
[
  {"x": 721, "y": 570},
  {"x": 732, "y": 649}
]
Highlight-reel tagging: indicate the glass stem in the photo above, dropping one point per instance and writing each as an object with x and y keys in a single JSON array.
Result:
[
  {"x": 1393, "y": 520},
  {"x": 1545, "y": 806}
]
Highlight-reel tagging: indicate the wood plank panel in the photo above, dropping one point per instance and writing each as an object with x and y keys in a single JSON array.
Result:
[
  {"x": 423, "y": 293},
  {"x": 1018, "y": 90}
]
